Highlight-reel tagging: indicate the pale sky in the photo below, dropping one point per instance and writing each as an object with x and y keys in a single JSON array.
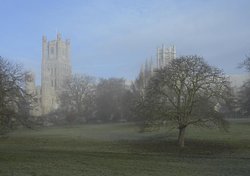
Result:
[{"x": 112, "y": 38}]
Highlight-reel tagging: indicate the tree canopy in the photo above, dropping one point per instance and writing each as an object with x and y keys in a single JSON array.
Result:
[
  {"x": 14, "y": 101},
  {"x": 112, "y": 100},
  {"x": 77, "y": 98},
  {"x": 186, "y": 92}
]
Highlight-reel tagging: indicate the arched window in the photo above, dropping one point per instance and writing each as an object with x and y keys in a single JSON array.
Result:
[{"x": 52, "y": 50}]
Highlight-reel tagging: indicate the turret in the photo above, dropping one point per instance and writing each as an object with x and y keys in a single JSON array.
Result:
[
  {"x": 174, "y": 52},
  {"x": 44, "y": 48},
  {"x": 68, "y": 50},
  {"x": 59, "y": 36},
  {"x": 44, "y": 38},
  {"x": 30, "y": 83},
  {"x": 68, "y": 42}
]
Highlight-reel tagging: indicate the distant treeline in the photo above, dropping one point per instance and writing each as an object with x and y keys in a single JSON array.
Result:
[{"x": 155, "y": 96}]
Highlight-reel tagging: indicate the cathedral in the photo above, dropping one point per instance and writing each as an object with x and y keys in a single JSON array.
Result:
[
  {"x": 164, "y": 55},
  {"x": 55, "y": 70}
]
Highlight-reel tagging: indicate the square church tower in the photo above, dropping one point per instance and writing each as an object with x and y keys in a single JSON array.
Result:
[
  {"x": 165, "y": 55},
  {"x": 56, "y": 69}
]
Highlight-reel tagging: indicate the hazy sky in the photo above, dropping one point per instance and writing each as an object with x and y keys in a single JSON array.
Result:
[{"x": 114, "y": 37}]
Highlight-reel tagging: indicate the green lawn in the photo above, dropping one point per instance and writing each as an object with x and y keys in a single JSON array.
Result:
[{"x": 119, "y": 149}]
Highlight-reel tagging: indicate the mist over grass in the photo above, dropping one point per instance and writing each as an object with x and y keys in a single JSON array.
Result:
[{"x": 119, "y": 149}]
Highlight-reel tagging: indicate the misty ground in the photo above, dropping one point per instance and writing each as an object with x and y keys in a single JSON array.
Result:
[{"x": 119, "y": 149}]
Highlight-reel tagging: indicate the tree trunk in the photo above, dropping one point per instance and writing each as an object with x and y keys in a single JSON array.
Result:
[{"x": 181, "y": 136}]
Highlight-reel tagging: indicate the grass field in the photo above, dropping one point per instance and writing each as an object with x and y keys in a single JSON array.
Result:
[{"x": 119, "y": 150}]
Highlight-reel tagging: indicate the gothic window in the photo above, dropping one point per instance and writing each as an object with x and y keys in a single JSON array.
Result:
[{"x": 52, "y": 50}]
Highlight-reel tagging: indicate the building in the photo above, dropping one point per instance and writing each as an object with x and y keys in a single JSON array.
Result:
[
  {"x": 35, "y": 92},
  {"x": 164, "y": 55},
  {"x": 55, "y": 69}
]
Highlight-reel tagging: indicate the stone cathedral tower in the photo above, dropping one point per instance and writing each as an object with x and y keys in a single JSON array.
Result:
[
  {"x": 165, "y": 55},
  {"x": 56, "y": 68}
]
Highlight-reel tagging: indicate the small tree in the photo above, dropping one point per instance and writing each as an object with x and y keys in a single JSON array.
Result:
[{"x": 186, "y": 92}]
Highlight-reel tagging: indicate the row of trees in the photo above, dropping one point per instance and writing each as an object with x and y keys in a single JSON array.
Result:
[
  {"x": 86, "y": 99},
  {"x": 186, "y": 92}
]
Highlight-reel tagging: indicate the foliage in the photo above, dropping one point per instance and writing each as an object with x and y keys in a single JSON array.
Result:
[
  {"x": 112, "y": 100},
  {"x": 77, "y": 99}
]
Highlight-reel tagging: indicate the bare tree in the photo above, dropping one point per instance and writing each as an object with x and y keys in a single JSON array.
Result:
[
  {"x": 186, "y": 92},
  {"x": 77, "y": 99},
  {"x": 244, "y": 93},
  {"x": 14, "y": 101}
]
